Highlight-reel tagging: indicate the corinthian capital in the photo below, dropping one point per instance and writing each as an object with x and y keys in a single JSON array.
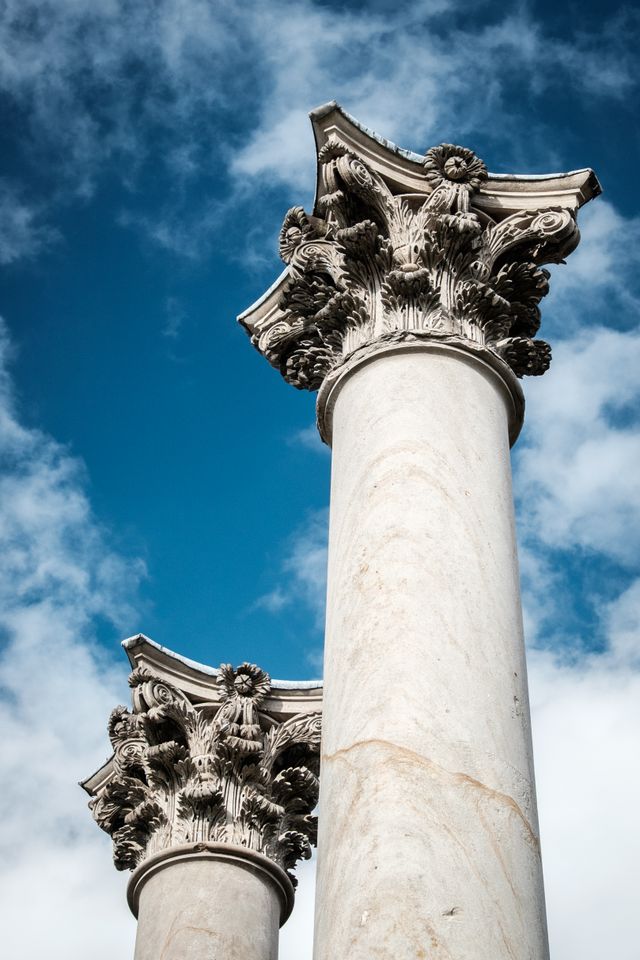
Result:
[
  {"x": 401, "y": 247},
  {"x": 233, "y": 766}
]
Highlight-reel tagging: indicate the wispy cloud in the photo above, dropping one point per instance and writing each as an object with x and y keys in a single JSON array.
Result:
[
  {"x": 175, "y": 317},
  {"x": 306, "y": 562},
  {"x": 22, "y": 233},
  {"x": 209, "y": 101},
  {"x": 178, "y": 230},
  {"x": 301, "y": 579},
  {"x": 370, "y": 64},
  {"x": 309, "y": 439},
  {"x": 274, "y": 601}
]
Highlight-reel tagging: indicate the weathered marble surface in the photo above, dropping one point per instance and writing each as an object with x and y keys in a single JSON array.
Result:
[
  {"x": 428, "y": 843},
  {"x": 208, "y": 908}
]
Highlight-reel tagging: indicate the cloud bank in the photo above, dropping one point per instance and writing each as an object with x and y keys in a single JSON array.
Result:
[{"x": 61, "y": 584}]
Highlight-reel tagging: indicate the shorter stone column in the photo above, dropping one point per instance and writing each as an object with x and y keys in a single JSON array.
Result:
[{"x": 209, "y": 803}]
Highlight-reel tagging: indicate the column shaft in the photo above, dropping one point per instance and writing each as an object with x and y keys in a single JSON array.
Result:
[
  {"x": 428, "y": 842},
  {"x": 205, "y": 908}
]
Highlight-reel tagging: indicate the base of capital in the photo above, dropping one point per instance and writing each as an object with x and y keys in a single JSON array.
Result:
[
  {"x": 234, "y": 854},
  {"x": 428, "y": 342}
]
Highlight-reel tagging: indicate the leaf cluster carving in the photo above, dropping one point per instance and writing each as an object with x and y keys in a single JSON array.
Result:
[
  {"x": 209, "y": 772},
  {"x": 374, "y": 263}
]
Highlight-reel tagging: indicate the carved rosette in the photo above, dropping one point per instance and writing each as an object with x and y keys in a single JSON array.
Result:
[
  {"x": 374, "y": 266},
  {"x": 223, "y": 771}
]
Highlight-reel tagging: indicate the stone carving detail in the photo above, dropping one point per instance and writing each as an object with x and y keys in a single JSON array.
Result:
[
  {"x": 212, "y": 772},
  {"x": 374, "y": 264}
]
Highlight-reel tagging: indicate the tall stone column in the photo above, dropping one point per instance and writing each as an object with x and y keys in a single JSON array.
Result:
[
  {"x": 208, "y": 799},
  {"x": 410, "y": 300}
]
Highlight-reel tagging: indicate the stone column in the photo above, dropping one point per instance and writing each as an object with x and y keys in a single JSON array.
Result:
[
  {"x": 411, "y": 301},
  {"x": 427, "y": 746},
  {"x": 209, "y": 802}
]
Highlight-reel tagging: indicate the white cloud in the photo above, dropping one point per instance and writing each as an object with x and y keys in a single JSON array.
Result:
[
  {"x": 576, "y": 463},
  {"x": 303, "y": 577},
  {"x": 586, "y": 726},
  {"x": 59, "y": 580},
  {"x": 283, "y": 149},
  {"x": 601, "y": 275},
  {"x": 577, "y": 474}
]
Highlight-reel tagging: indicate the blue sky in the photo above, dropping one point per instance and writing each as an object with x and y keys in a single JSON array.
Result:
[{"x": 158, "y": 476}]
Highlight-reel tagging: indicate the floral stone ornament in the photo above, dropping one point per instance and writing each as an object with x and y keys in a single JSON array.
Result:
[
  {"x": 221, "y": 770},
  {"x": 455, "y": 164}
]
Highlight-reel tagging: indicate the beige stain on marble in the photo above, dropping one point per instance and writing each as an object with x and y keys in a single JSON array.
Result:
[{"x": 462, "y": 779}]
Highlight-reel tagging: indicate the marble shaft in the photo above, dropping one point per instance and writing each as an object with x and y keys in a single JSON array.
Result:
[
  {"x": 410, "y": 301},
  {"x": 428, "y": 842},
  {"x": 204, "y": 904}
]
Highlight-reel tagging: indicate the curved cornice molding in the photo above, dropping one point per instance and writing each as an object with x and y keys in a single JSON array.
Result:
[
  {"x": 199, "y": 681},
  {"x": 501, "y": 195}
]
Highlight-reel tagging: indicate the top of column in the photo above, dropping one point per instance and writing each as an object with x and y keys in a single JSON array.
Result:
[
  {"x": 402, "y": 248},
  {"x": 209, "y": 757}
]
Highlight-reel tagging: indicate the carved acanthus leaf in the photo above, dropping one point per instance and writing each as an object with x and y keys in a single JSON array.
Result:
[
  {"x": 373, "y": 263},
  {"x": 184, "y": 772}
]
